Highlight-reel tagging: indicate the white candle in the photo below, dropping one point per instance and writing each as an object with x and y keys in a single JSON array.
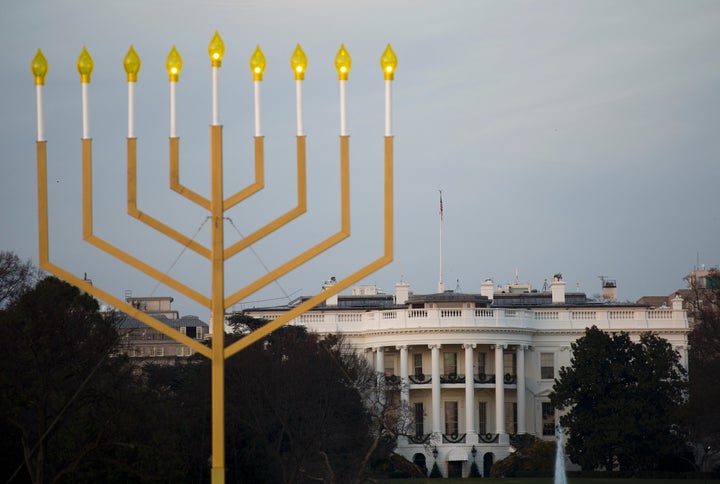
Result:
[
  {"x": 40, "y": 133},
  {"x": 173, "y": 126},
  {"x": 85, "y": 115},
  {"x": 388, "y": 114},
  {"x": 258, "y": 131},
  {"x": 343, "y": 108},
  {"x": 298, "y": 103},
  {"x": 215, "y": 96},
  {"x": 131, "y": 109}
]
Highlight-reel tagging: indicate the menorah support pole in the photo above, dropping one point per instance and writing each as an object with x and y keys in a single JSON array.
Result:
[{"x": 217, "y": 474}]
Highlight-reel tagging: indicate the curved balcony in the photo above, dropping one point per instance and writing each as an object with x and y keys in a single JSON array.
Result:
[
  {"x": 489, "y": 438},
  {"x": 453, "y": 438},
  {"x": 419, "y": 439},
  {"x": 452, "y": 378}
]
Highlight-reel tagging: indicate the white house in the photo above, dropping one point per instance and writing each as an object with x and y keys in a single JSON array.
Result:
[{"x": 478, "y": 367}]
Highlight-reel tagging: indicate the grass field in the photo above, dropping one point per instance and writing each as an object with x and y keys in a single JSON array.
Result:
[{"x": 549, "y": 480}]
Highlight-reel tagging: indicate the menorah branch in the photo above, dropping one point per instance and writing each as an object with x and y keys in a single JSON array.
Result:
[
  {"x": 175, "y": 184},
  {"x": 288, "y": 216},
  {"x": 346, "y": 282},
  {"x": 101, "y": 244},
  {"x": 259, "y": 182},
  {"x": 46, "y": 264},
  {"x": 148, "y": 219},
  {"x": 318, "y": 248}
]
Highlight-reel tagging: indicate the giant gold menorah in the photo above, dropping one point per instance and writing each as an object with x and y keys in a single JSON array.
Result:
[{"x": 217, "y": 205}]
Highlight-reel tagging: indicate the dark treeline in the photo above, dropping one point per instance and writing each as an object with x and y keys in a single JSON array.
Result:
[{"x": 75, "y": 410}]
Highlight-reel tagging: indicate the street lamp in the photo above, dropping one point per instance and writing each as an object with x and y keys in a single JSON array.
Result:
[
  {"x": 473, "y": 451},
  {"x": 435, "y": 453}
]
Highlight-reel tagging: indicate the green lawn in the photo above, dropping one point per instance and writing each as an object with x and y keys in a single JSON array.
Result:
[{"x": 547, "y": 480}]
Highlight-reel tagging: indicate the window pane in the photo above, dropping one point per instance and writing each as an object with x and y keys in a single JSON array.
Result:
[
  {"x": 451, "y": 418},
  {"x": 511, "y": 417},
  {"x": 509, "y": 360},
  {"x": 389, "y": 364},
  {"x": 548, "y": 419},
  {"x": 547, "y": 366},
  {"x": 417, "y": 358},
  {"x": 482, "y": 420},
  {"x": 450, "y": 363},
  {"x": 419, "y": 418}
]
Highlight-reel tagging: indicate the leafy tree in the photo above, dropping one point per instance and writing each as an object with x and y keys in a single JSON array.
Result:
[
  {"x": 537, "y": 457},
  {"x": 623, "y": 400},
  {"x": 71, "y": 411},
  {"x": 294, "y": 410}
]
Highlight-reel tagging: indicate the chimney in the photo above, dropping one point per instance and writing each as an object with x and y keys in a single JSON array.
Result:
[
  {"x": 557, "y": 287},
  {"x": 487, "y": 289},
  {"x": 402, "y": 292},
  {"x": 332, "y": 300},
  {"x": 609, "y": 291},
  {"x": 677, "y": 303}
]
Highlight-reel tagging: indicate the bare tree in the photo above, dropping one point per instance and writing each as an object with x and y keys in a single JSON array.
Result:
[
  {"x": 381, "y": 396},
  {"x": 16, "y": 277},
  {"x": 703, "y": 413}
]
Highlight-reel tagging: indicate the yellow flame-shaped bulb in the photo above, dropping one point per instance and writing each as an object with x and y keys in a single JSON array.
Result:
[
  {"x": 216, "y": 50},
  {"x": 39, "y": 68},
  {"x": 388, "y": 62},
  {"x": 298, "y": 62},
  {"x": 85, "y": 65},
  {"x": 257, "y": 64},
  {"x": 343, "y": 62},
  {"x": 131, "y": 63},
  {"x": 173, "y": 64}
]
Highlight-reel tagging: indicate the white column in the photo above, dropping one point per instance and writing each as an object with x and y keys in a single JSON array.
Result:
[
  {"x": 499, "y": 391},
  {"x": 470, "y": 430},
  {"x": 380, "y": 369},
  {"x": 404, "y": 386},
  {"x": 404, "y": 390},
  {"x": 521, "y": 417},
  {"x": 436, "y": 400}
]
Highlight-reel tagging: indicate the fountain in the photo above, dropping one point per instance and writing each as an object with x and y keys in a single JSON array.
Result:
[{"x": 560, "y": 477}]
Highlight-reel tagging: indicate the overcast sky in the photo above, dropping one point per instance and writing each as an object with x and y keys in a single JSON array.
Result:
[{"x": 566, "y": 136}]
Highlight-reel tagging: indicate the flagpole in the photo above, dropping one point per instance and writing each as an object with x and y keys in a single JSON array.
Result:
[{"x": 441, "y": 286}]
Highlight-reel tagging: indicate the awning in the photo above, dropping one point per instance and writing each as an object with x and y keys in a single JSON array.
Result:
[{"x": 457, "y": 455}]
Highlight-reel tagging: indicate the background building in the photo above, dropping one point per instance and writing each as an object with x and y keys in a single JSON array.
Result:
[{"x": 143, "y": 343}]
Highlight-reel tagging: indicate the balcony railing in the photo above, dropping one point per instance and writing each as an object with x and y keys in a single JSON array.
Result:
[
  {"x": 484, "y": 378},
  {"x": 532, "y": 319},
  {"x": 489, "y": 438},
  {"x": 419, "y": 439},
  {"x": 452, "y": 378},
  {"x": 453, "y": 438}
]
